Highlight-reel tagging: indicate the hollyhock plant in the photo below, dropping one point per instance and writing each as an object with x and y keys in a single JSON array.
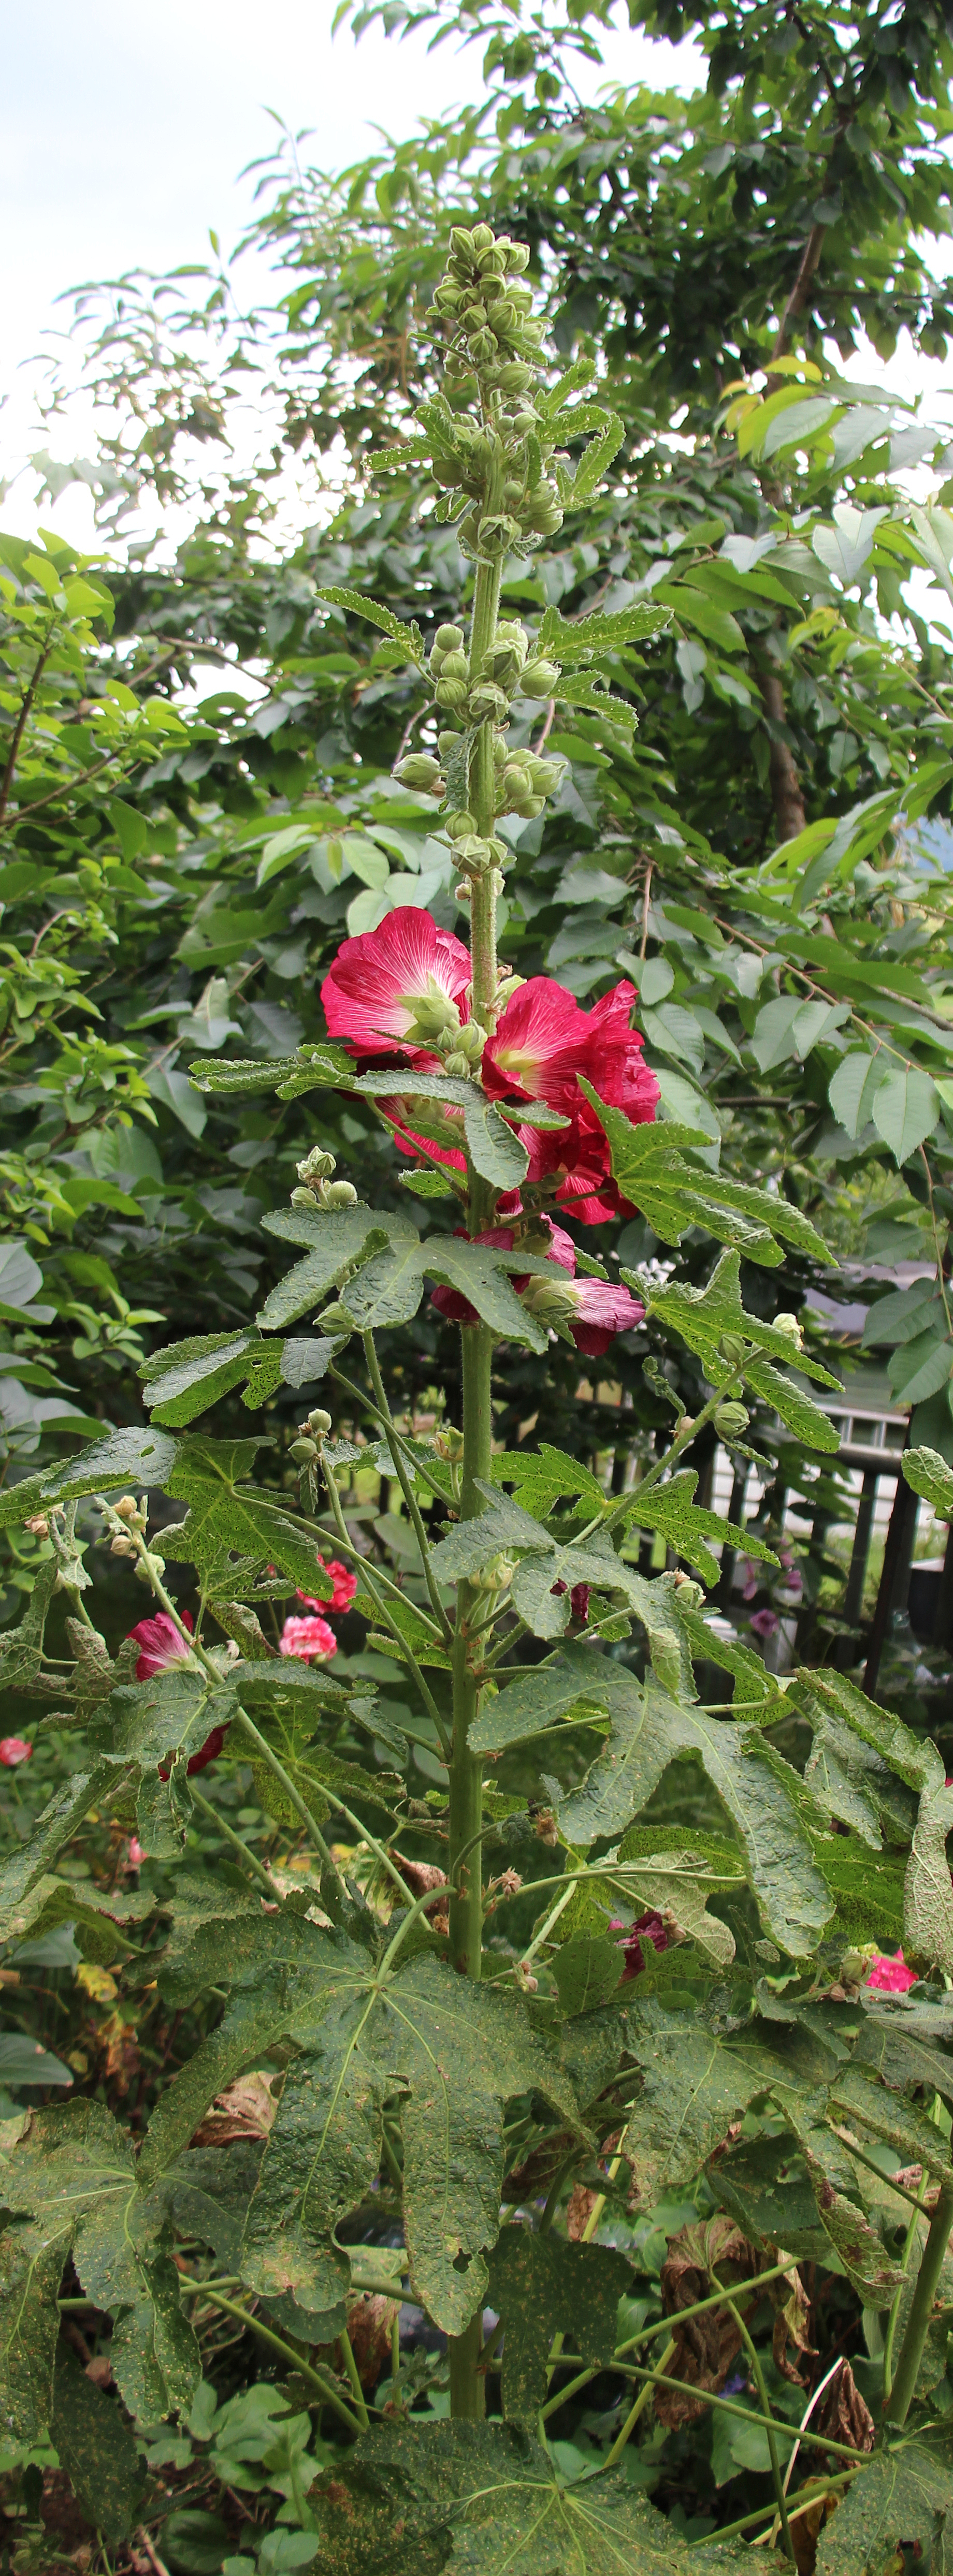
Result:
[
  {"x": 311, "y": 1640},
  {"x": 14, "y": 1749},
  {"x": 763, "y": 1624},
  {"x": 396, "y": 988},
  {"x": 161, "y": 1645}
]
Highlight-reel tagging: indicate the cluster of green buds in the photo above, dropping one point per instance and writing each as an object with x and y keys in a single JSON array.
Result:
[
  {"x": 491, "y": 465},
  {"x": 317, "y": 1189},
  {"x": 312, "y": 1433}
]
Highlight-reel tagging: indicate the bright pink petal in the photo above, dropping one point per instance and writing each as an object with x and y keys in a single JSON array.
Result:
[
  {"x": 160, "y": 1643},
  {"x": 602, "y": 1311},
  {"x": 892, "y": 1976},
  {"x": 14, "y": 1749},
  {"x": 311, "y": 1640},
  {"x": 345, "y": 1586},
  {"x": 376, "y": 981}
]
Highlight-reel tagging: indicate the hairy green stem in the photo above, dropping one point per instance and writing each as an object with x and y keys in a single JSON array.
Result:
[
  {"x": 354, "y": 2377},
  {"x": 633, "y": 2415},
  {"x": 928, "y": 2279},
  {"x": 276, "y": 2343},
  {"x": 759, "y": 2381}
]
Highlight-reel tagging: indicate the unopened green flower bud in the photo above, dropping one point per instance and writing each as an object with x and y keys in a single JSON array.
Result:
[
  {"x": 449, "y": 639},
  {"x": 546, "y": 775},
  {"x": 733, "y": 1347},
  {"x": 339, "y": 1194},
  {"x": 539, "y": 678},
  {"x": 731, "y": 1421},
  {"x": 318, "y": 1423},
  {"x": 482, "y": 238},
  {"x": 336, "y": 1319},
  {"x": 420, "y": 770},
  {"x": 458, "y": 827},
  {"x": 455, "y": 666},
  {"x": 449, "y": 1444},
  {"x": 462, "y": 242},
  {"x": 317, "y": 1166},
  {"x": 451, "y": 693},
  {"x": 459, "y": 1065},
  {"x": 494, "y": 1577},
  {"x": 303, "y": 1198},
  {"x": 495, "y": 531},
  {"x": 150, "y": 1569},
  {"x": 789, "y": 1326},
  {"x": 304, "y": 1452},
  {"x": 447, "y": 744},
  {"x": 517, "y": 256},
  {"x": 515, "y": 378},
  {"x": 532, "y": 807},
  {"x": 487, "y": 702}
]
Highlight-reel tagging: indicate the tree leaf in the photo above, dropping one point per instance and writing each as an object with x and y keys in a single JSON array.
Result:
[
  {"x": 905, "y": 1109},
  {"x": 542, "y": 2286},
  {"x": 578, "y": 639},
  {"x": 928, "y": 1474}
]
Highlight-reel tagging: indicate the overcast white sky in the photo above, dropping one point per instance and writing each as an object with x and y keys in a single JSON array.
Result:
[{"x": 122, "y": 136}]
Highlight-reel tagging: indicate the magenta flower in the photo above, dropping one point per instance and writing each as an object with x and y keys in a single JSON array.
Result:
[
  {"x": 311, "y": 1640},
  {"x": 14, "y": 1749},
  {"x": 394, "y": 987},
  {"x": 892, "y": 1976},
  {"x": 161, "y": 1645},
  {"x": 764, "y": 1623},
  {"x": 648, "y": 1927}
]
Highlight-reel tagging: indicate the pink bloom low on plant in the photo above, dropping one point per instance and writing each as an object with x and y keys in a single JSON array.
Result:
[
  {"x": 345, "y": 1586},
  {"x": 764, "y": 1623},
  {"x": 396, "y": 987},
  {"x": 311, "y": 1640},
  {"x": 135, "y": 1854},
  {"x": 160, "y": 1644},
  {"x": 892, "y": 1976},
  {"x": 14, "y": 1749}
]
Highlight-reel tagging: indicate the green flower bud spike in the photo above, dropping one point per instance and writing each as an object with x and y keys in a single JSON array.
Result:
[{"x": 731, "y": 1421}]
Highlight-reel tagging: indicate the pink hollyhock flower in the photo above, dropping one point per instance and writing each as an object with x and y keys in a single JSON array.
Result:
[
  {"x": 135, "y": 1854},
  {"x": 396, "y": 988},
  {"x": 764, "y": 1623},
  {"x": 648, "y": 1927},
  {"x": 892, "y": 1976},
  {"x": 592, "y": 1311},
  {"x": 345, "y": 1586},
  {"x": 311, "y": 1640},
  {"x": 161, "y": 1646},
  {"x": 14, "y": 1749}
]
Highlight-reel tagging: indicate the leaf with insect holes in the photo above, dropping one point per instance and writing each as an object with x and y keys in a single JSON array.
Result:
[
  {"x": 97, "y": 2449},
  {"x": 901, "y": 2497},
  {"x": 74, "y": 2174},
  {"x": 128, "y": 1457},
  {"x": 454, "y": 2052},
  {"x": 477, "y": 2499},
  {"x": 377, "y": 614},
  {"x": 542, "y": 2286},
  {"x": 186, "y": 1378}
]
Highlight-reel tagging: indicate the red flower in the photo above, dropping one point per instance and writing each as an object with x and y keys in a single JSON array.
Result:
[
  {"x": 345, "y": 1586},
  {"x": 311, "y": 1640},
  {"x": 398, "y": 987},
  {"x": 544, "y": 1040},
  {"x": 162, "y": 1646},
  {"x": 892, "y": 1976},
  {"x": 14, "y": 1749},
  {"x": 592, "y": 1311}
]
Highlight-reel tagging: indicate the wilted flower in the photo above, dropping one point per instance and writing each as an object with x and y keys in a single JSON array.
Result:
[
  {"x": 647, "y": 1927},
  {"x": 311, "y": 1640}
]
